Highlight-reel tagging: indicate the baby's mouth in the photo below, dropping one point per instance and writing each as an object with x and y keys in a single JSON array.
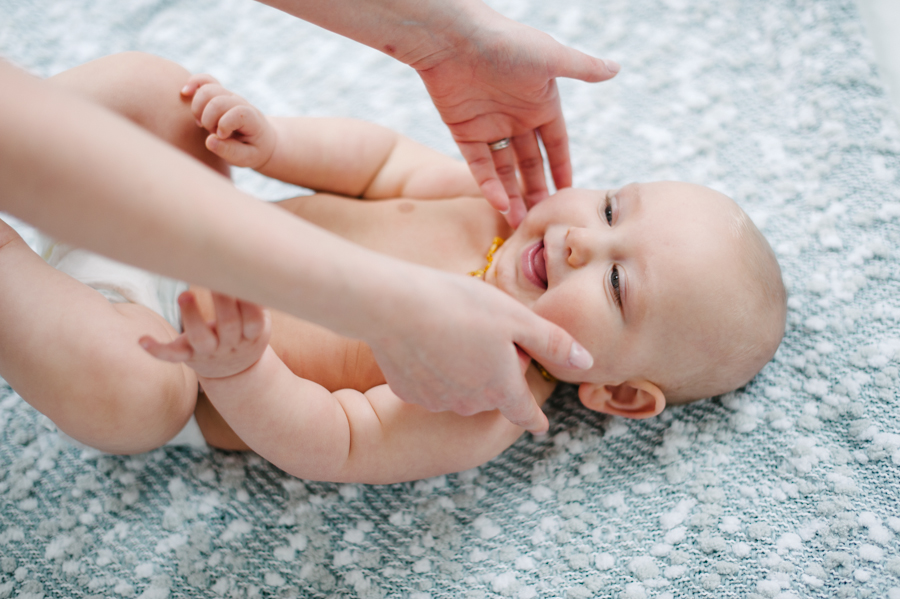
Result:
[{"x": 534, "y": 266}]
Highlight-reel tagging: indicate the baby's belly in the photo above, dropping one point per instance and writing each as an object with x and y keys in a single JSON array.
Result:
[{"x": 310, "y": 352}]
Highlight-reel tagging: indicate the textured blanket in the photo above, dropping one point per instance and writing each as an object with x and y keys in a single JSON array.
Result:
[{"x": 787, "y": 488}]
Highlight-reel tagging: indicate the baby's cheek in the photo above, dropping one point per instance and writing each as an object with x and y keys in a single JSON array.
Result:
[{"x": 572, "y": 311}]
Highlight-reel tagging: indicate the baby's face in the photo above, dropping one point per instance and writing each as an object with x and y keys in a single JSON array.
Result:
[{"x": 635, "y": 274}]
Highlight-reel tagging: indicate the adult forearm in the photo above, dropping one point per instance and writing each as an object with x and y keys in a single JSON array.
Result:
[
  {"x": 408, "y": 30},
  {"x": 92, "y": 178},
  {"x": 89, "y": 177}
]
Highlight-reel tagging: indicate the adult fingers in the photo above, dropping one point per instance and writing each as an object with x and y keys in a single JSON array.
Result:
[
  {"x": 550, "y": 344},
  {"x": 531, "y": 168},
  {"x": 523, "y": 410},
  {"x": 556, "y": 143},
  {"x": 527, "y": 415},
  {"x": 578, "y": 65},
  {"x": 229, "y": 328},
  {"x": 199, "y": 333},
  {"x": 478, "y": 156},
  {"x": 505, "y": 167},
  {"x": 516, "y": 213}
]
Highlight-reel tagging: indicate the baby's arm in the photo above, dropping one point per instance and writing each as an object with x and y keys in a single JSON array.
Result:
[
  {"x": 345, "y": 156},
  {"x": 309, "y": 432},
  {"x": 348, "y": 436}
]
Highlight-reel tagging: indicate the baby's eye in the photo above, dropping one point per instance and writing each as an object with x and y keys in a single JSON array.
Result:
[
  {"x": 614, "y": 281},
  {"x": 607, "y": 212}
]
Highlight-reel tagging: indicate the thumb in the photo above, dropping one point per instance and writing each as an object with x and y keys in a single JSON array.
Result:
[
  {"x": 551, "y": 345},
  {"x": 523, "y": 410},
  {"x": 176, "y": 351},
  {"x": 578, "y": 65},
  {"x": 231, "y": 150},
  {"x": 527, "y": 414}
]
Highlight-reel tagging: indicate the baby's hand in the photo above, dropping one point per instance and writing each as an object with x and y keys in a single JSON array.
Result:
[
  {"x": 231, "y": 344},
  {"x": 239, "y": 133}
]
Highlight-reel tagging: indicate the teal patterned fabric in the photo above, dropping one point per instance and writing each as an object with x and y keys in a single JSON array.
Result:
[{"x": 785, "y": 489}]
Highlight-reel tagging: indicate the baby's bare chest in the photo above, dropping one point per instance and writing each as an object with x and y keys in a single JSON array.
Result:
[{"x": 444, "y": 234}]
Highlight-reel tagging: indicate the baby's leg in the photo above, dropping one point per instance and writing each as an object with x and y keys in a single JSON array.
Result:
[
  {"x": 145, "y": 89},
  {"x": 75, "y": 357}
]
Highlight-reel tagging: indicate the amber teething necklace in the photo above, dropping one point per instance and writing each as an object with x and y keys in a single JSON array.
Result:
[
  {"x": 481, "y": 272},
  {"x": 495, "y": 245}
]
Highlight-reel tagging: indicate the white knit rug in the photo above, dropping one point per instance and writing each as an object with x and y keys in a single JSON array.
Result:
[{"x": 786, "y": 489}]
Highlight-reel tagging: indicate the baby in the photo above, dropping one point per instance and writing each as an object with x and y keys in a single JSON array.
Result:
[{"x": 669, "y": 285}]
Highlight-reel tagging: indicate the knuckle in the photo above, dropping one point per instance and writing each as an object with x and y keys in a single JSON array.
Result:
[
  {"x": 506, "y": 171},
  {"x": 482, "y": 163},
  {"x": 555, "y": 143},
  {"x": 535, "y": 197},
  {"x": 531, "y": 163},
  {"x": 218, "y": 104},
  {"x": 557, "y": 342}
]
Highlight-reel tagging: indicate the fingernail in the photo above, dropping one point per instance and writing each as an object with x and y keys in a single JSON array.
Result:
[
  {"x": 579, "y": 357},
  {"x": 505, "y": 212},
  {"x": 612, "y": 65},
  {"x": 185, "y": 89},
  {"x": 541, "y": 431}
]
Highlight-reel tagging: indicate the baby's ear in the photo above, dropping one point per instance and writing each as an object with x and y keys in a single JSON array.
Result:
[{"x": 631, "y": 399}]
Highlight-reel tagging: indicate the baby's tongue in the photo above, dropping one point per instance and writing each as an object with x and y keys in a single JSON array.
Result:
[{"x": 540, "y": 267}]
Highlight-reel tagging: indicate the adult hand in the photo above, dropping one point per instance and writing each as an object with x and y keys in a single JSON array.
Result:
[
  {"x": 456, "y": 349},
  {"x": 489, "y": 77},
  {"x": 495, "y": 81}
]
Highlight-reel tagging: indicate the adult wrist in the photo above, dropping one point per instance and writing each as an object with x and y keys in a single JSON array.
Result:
[
  {"x": 396, "y": 299},
  {"x": 447, "y": 27}
]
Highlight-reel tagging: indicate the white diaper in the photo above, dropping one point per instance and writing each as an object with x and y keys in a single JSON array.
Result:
[
  {"x": 122, "y": 283},
  {"x": 117, "y": 282}
]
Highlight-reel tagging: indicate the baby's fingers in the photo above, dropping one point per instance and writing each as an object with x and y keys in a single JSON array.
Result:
[
  {"x": 256, "y": 320},
  {"x": 228, "y": 320},
  {"x": 239, "y": 117},
  {"x": 199, "y": 333},
  {"x": 234, "y": 152},
  {"x": 210, "y": 103},
  {"x": 200, "y": 103},
  {"x": 176, "y": 351},
  {"x": 197, "y": 81}
]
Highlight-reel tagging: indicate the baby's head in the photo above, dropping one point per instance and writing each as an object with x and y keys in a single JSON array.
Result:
[{"x": 670, "y": 286}]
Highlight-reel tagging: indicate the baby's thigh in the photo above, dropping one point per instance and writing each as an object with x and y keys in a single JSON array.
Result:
[
  {"x": 146, "y": 89},
  {"x": 75, "y": 357},
  {"x": 159, "y": 397},
  {"x": 112, "y": 395}
]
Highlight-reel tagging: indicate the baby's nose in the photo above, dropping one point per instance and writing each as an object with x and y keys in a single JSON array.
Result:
[{"x": 581, "y": 246}]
